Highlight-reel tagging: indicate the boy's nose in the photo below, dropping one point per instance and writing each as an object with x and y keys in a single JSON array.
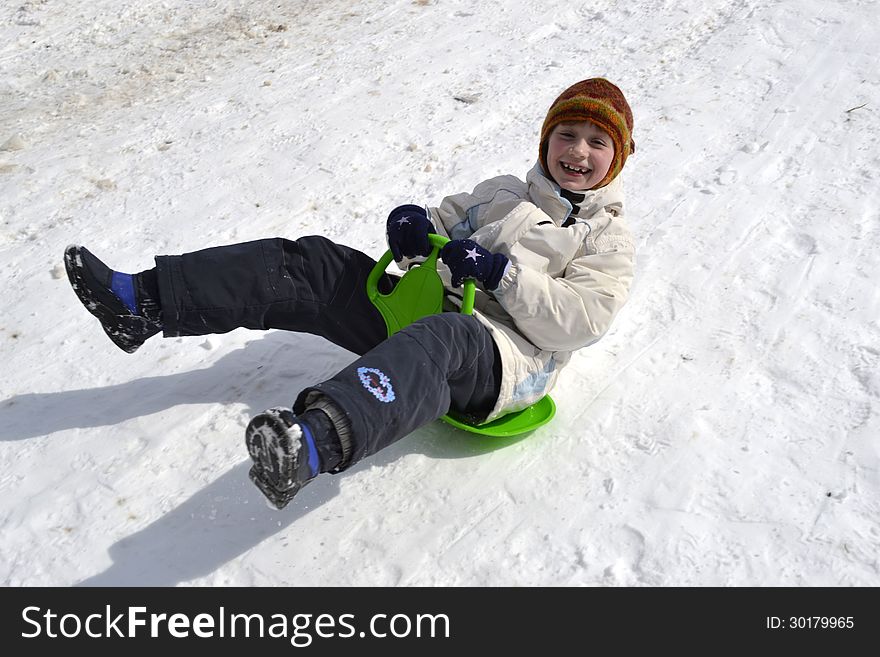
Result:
[{"x": 577, "y": 149}]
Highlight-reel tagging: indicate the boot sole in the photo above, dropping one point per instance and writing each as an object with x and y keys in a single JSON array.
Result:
[
  {"x": 274, "y": 470},
  {"x": 119, "y": 325}
]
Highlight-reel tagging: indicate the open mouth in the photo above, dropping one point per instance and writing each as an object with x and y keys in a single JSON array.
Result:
[{"x": 580, "y": 171}]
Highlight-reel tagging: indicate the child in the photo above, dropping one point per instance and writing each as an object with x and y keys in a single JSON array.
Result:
[{"x": 553, "y": 261}]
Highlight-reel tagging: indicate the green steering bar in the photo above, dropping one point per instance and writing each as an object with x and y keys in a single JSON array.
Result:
[{"x": 419, "y": 292}]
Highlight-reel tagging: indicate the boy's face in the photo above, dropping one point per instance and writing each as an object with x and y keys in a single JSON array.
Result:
[{"x": 579, "y": 155}]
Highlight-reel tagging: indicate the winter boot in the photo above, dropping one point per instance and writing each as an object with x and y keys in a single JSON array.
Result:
[
  {"x": 125, "y": 304},
  {"x": 287, "y": 451}
]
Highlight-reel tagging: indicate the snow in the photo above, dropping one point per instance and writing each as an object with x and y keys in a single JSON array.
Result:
[{"x": 724, "y": 433}]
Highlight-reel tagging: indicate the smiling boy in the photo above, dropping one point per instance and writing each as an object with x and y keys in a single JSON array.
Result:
[
  {"x": 579, "y": 155},
  {"x": 552, "y": 257},
  {"x": 587, "y": 135}
]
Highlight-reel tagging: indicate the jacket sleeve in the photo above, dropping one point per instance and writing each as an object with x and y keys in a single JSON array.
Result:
[
  {"x": 574, "y": 310},
  {"x": 459, "y": 215}
]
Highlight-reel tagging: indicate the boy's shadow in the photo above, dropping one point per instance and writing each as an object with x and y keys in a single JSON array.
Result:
[
  {"x": 263, "y": 373},
  {"x": 229, "y": 516}
]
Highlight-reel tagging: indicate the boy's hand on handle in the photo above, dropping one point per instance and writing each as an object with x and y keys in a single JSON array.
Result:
[
  {"x": 407, "y": 231},
  {"x": 467, "y": 259}
]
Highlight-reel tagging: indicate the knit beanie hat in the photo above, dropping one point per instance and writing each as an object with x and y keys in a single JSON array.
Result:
[{"x": 599, "y": 101}]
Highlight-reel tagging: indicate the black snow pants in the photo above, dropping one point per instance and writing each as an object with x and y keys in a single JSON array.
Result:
[{"x": 313, "y": 285}]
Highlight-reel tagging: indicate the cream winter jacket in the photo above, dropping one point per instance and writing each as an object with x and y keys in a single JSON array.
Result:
[{"x": 564, "y": 285}]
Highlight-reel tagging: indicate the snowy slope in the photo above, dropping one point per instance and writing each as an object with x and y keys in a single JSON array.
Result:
[{"x": 724, "y": 433}]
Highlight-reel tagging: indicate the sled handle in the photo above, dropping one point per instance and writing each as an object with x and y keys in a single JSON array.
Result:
[{"x": 437, "y": 241}]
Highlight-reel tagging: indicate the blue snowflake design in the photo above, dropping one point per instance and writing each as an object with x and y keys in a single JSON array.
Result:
[{"x": 377, "y": 382}]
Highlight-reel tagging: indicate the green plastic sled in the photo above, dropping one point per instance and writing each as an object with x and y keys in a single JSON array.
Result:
[{"x": 420, "y": 293}]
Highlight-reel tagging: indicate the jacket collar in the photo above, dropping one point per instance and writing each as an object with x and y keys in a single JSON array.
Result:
[{"x": 546, "y": 195}]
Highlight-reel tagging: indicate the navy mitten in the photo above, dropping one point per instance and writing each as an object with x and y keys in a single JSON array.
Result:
[
  {"x": 407, "y": 231},
  {"x": 467, "y": 259}
]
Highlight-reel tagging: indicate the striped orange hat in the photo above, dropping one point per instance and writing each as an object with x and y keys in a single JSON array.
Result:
[{"x": 599, "y": 101}]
